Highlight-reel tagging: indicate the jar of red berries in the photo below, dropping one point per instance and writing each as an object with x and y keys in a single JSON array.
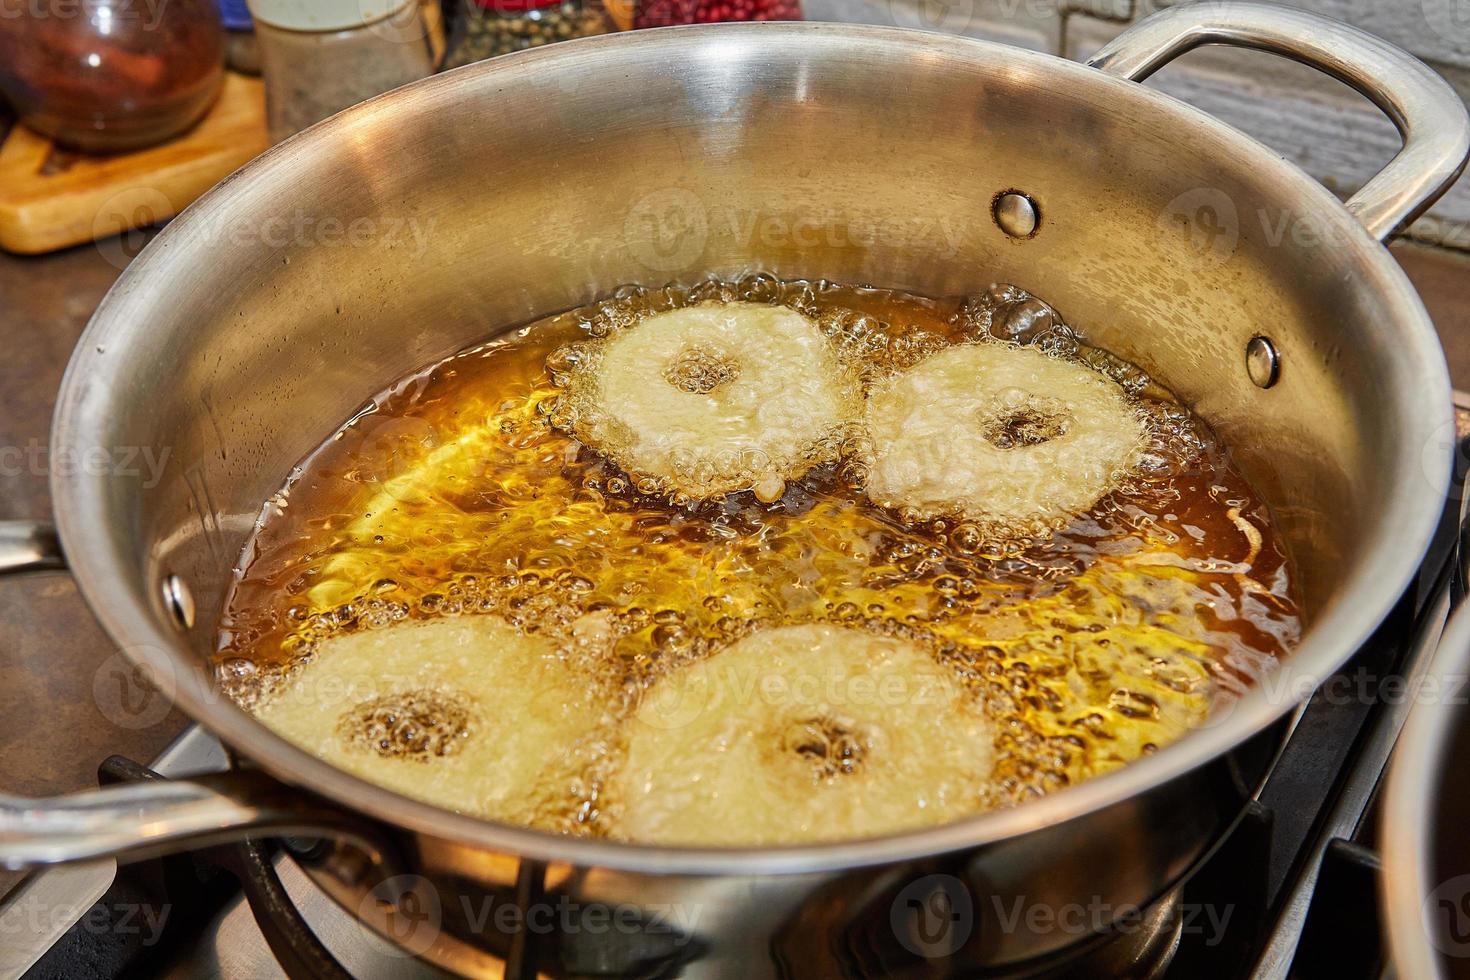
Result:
[{"x": 664, "y": 13}]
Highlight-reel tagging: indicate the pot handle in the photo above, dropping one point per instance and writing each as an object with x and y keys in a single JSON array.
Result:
[
  {"x": 1429, "y": 115},
  {"x": 155, "y": 817},
  {"x": 29, "y": 546}
]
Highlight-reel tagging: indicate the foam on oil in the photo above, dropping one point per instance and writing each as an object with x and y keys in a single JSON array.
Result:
[{"x": 464, "y": 491}]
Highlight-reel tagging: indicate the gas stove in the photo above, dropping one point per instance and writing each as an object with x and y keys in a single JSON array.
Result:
[{"x": 1290, "y": 892}]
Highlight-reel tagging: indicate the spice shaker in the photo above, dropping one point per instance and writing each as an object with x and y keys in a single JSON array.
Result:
[
  {"x": 319, "y": 57},
  {"x": 242, "y": 54},
  {"x": 111, "y": 75},
  {"x": 664, "y": 13},
  {"x": 486, "y": 28}
]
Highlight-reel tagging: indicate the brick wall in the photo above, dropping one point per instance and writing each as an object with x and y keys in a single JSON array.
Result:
[{"x": 1325, "y": 127}]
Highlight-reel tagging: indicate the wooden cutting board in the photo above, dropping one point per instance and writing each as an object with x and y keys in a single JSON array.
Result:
[{"x": 51, "y": 197}]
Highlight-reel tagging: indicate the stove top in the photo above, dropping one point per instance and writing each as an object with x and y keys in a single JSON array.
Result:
[{"x": 1291, "y": 892}]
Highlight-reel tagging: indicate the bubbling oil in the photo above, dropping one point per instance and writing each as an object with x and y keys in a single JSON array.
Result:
[{"x": 464, "y": 490}]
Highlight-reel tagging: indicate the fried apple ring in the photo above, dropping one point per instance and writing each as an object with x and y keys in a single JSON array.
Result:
[
  {"x": 1008, "y": 437},
  {"x": 799, "y": 734},
  {"x": 716, "y": 398},
  {"x": 464, "y": 711}
]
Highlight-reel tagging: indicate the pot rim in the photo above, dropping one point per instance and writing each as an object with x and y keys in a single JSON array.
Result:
[
  {"x": 1415, "y": 784},
  {"x": 100, "y": 564}
]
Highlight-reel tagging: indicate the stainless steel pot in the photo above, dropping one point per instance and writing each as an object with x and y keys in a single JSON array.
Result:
[
  {"x": 1425, "y": 884},
  {"x": 411, "y": 226}
]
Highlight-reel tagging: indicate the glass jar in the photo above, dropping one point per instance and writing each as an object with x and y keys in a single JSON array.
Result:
[
  {"x": 666, "y": 13},
  {"x": 486, "y": 28},
  {"x": 319, "y": 57},
  {"x": 111, "y": 75}
]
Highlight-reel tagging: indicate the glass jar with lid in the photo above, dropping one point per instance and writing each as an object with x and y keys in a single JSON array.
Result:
[
  {"x": 111, "y": 75},
  {"x": 486, "y": 28},
  {"x": 321, "y": 56}
]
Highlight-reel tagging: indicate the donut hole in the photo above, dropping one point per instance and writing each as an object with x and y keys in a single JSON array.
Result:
[
  {"x": 700, "y": 371},
  {"x": 829, "y": 747},
  {"x": 1023, "y": 426},
  {"x": 418, "y": 725}
]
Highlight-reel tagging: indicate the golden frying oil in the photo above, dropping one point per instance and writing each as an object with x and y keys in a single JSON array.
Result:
[{"x": 459, "y": 490}]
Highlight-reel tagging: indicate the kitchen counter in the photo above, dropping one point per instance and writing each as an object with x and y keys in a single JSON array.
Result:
[
  {"x": 52, "y": 653},
  {"x": 67, "y": 699}
]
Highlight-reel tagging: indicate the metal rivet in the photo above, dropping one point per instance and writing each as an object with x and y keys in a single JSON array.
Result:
[
  {"x": 1262, "y": 362},
  {"x": 1016, "y": 214},
  {"x": 179, "y": 601}
]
